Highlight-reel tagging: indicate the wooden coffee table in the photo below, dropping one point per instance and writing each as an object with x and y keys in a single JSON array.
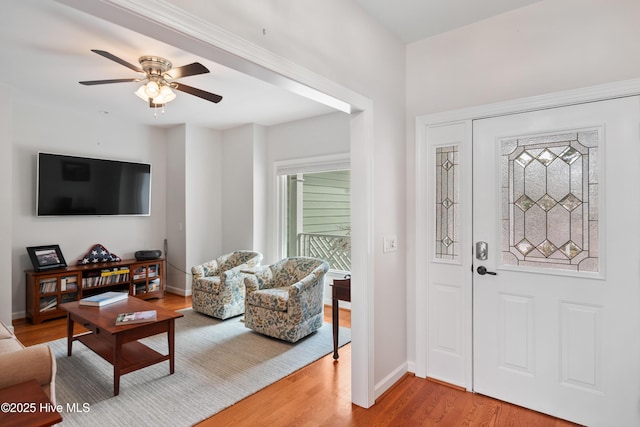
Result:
[{"x": 119, "y": 345}]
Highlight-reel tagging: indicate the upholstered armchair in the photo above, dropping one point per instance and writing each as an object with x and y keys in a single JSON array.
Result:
[
  {"x": 285, "y": 300},
  {"x": 217, "y": 285}
]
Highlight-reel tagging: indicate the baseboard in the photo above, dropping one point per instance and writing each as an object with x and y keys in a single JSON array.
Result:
[
  {"x": 178, "y": 291},
  {"x": 18, "y": 315},
  {"x": 390, "y": 380}
]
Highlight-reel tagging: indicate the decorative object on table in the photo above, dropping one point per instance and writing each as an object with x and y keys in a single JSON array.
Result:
[
  {"x": 285, "y": 300},
  {"x": 218, "y": 285},
  {"x": 46, "y": 257},
  {"x": 98, "y": 253},
  {"x": 136, "y": 317},
  {"x": 146, "y": 255},
  {"x": 104, "y": 299}
]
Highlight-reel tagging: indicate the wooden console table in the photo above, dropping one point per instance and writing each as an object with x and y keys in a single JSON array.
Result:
[{"x": 341, "y": 291}]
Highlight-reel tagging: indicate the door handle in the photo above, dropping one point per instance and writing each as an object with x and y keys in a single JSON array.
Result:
[{"x": 482, "y": 270}]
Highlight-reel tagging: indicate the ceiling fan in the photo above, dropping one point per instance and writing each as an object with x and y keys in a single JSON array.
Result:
[{"x": 159, "y": 79}]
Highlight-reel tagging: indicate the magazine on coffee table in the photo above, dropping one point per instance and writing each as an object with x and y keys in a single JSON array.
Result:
[{"x": 135, "y": 317}]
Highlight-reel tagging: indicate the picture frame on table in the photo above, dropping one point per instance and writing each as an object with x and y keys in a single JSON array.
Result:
[{"x": 46, "y": 257}]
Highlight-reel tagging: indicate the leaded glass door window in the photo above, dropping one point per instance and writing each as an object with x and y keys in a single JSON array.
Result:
[
  {"x": 550, "y": 200},
  {"x": 447, "y": 203}
]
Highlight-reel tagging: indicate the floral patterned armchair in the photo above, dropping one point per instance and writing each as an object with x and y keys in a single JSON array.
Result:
[
  {"x": 285, "y": 300},
  {"x": 217, "y": 285}
]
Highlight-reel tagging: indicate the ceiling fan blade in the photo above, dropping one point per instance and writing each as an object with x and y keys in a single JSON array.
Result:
[
  {"x": 118, "y": 60},
  {"x": 188, "y": 70},
  {"x": 197, "y": 92},
  {"x": 102, "y": 82}
]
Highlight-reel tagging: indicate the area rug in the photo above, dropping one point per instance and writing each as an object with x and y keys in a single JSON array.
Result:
[{"x": 218, "y": 363}]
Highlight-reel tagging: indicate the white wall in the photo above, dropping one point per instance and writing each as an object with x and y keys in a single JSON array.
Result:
[
  {"x": 194, "y": 194},
  {"x": 237, "y": 188},
  {"x": 38, "y": 128},
  {"x": 178, "y": 280},
  {"x": 203, "y": 226},
  {"x": 6, "y": 192},
  {"x": 260, "y": 197},
  {"x": 547, "y": 47}
]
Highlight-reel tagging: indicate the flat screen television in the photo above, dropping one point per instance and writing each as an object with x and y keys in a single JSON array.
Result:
[{"x": 70, "y": 185}]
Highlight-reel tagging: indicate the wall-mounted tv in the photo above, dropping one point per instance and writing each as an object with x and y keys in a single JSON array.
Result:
[{"x": 70, "y": 185}]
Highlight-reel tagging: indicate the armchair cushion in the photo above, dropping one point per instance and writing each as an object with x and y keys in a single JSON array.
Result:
[{"x": 272, "y": 299}]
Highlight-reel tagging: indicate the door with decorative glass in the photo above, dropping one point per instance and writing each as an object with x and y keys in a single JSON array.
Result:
[{"x": 556, "y": 302}]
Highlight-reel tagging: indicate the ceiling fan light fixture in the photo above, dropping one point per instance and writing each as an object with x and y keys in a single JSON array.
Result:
[
  {"x": 142, "y": 94},
  {"x": 152, "y": 89},
  {"x": 166, "y": 95}
]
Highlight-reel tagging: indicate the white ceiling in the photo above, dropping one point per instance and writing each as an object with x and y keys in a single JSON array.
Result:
[
  {"x": 413, "y": 20},
  {"x": 46, "y": 50}
]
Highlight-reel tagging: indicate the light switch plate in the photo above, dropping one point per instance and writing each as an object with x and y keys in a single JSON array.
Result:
[{"x": 389, "y": 243}]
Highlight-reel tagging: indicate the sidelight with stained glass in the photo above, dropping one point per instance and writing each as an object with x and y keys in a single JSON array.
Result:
[{"x": 446, "y": 202}]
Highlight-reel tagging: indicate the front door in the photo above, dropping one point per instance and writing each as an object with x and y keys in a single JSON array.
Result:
[{"x": 556, "y": 300}]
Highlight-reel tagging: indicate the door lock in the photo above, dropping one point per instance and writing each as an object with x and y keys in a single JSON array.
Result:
[
  {"x": 482, "y": 270},
  {"x": 482, "y": 251}
]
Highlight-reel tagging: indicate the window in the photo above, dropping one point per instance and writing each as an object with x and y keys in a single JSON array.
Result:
[
  {"x": 313, "y": 210},
  {"x": 319, "y": 217}
]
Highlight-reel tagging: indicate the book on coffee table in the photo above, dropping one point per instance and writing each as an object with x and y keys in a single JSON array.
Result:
[
  {"x": 136, "y": 317},
  {"x": 104, "y": 299}
]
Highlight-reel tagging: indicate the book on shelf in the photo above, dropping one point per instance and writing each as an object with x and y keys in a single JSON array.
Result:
[
  {"x": 136, "y": 317},
  {"x": 68, "y": 297},
  {"x": 114, "y": 271},
  {"x": 48, "y": 303},
  {"x": 153, "y": 271},
  {"x": 106, "y": 276},
  {"x": 48, "y": 285},
  {"x": 104, "y": 299},
  {"x": 139, "y": 273},
  {"x": 69, "y": 283}
]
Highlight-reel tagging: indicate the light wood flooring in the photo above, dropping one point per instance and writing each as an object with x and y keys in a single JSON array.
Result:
[{"x": 320, "y": 394}]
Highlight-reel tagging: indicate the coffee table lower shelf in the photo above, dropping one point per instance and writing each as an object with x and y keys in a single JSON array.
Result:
[{"x": 134, "y": 355}]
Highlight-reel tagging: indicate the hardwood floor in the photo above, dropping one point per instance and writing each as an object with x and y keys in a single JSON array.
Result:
[{"x": 320, "y": 394}]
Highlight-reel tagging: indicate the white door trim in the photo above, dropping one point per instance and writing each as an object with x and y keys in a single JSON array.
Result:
[
  {"x": 422, "y": 177},
  {"x": 170, "y": 24}
]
